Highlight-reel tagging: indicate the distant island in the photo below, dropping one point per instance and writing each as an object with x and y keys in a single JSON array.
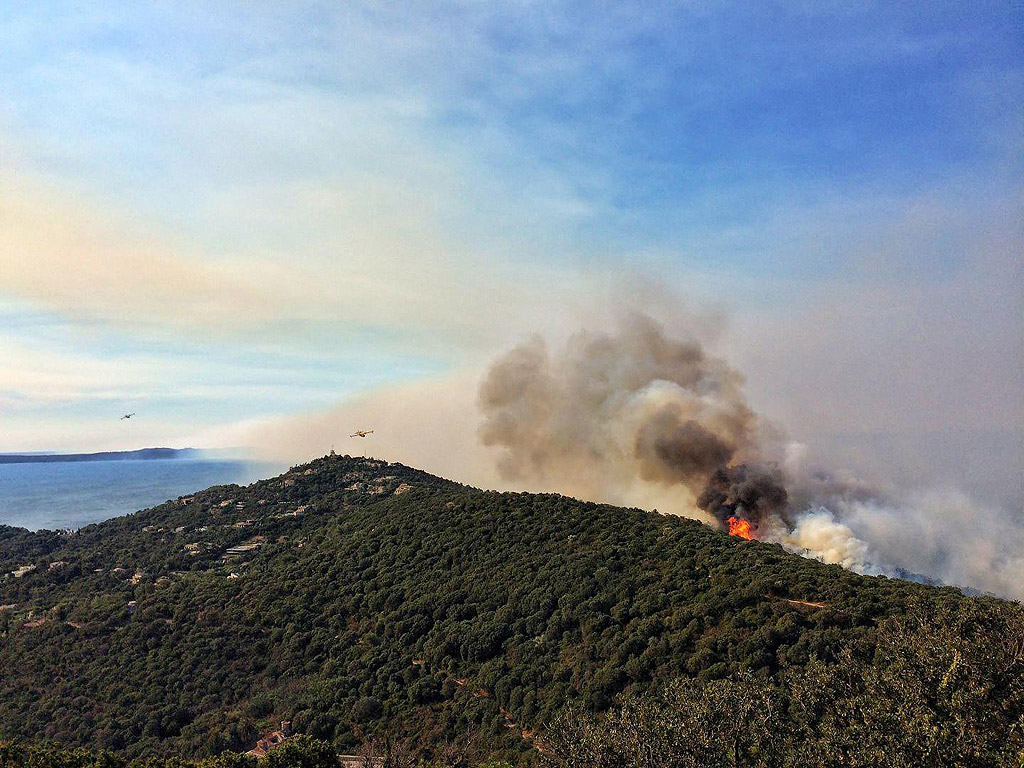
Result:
[{"x": 140, "y": 454}]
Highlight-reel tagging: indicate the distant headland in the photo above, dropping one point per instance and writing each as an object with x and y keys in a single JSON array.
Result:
[{"x": 140, "y": 454}]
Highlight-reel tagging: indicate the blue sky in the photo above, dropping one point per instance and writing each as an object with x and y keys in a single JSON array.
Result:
[{"x": 219, "y": 213}]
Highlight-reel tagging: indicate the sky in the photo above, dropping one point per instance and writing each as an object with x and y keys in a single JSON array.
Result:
[{"x": 222, "y": 216}]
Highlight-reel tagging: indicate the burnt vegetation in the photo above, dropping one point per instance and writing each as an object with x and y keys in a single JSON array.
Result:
[{"x": 369, "y": 603}]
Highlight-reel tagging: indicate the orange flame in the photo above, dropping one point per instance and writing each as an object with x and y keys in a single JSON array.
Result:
[{"x": 739, "y": 528}]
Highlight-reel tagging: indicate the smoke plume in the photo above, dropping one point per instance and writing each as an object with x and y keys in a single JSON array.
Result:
[
  {"x": 637, "y": 418},
  {"x": 632, "y": 417}
]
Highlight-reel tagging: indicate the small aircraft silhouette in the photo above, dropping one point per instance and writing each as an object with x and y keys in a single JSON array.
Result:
[
  {"x": 362, "y": 433},
  {"x": 127, "y": 416}
]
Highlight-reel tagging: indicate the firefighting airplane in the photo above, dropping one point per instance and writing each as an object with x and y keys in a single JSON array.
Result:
[
  {"x": 127, "y": 416},
  {"x": 362, "y": 433}
]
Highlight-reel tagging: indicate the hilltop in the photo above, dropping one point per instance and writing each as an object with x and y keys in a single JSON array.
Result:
[{"x": 363, "y": 600}]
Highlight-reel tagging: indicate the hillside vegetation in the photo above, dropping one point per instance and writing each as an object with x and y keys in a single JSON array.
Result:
[{"x": 366, "y": 601}]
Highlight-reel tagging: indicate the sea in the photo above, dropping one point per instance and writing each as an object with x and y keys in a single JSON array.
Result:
[{"x": 62, "y": 495}]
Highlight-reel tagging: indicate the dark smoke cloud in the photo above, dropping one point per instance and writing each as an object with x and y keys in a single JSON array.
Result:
[
  {"x": 672, "y": 450},
  {"x": 754, "y": 493}
]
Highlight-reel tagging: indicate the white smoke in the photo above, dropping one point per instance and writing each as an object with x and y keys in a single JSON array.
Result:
[
  {"x": 938, "y": 534},
  {"x": 819, "y": 535},
  {"x": 947, "y": 536}
]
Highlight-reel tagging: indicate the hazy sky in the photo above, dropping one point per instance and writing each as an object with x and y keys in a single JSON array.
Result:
[{"x": 215, "y": 214}]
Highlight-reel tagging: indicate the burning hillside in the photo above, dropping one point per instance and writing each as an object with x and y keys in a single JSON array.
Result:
[{"x": 639, "y": 418}]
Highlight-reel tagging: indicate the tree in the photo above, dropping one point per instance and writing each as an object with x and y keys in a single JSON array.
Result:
[{"x": 301, "y": 752}]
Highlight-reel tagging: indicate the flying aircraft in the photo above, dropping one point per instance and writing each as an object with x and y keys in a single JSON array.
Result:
[
  {"x": 127, "y": 416},
  {"x": 362, "y": 433}
]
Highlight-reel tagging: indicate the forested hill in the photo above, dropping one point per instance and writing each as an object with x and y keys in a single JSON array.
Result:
[{"x": 360, "y": 599}]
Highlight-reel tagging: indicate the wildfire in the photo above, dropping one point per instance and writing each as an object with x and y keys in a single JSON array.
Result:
[{"x": 739, "y": 528}]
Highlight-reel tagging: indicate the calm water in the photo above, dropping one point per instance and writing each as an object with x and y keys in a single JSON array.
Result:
[{"x": 71, "y": 495}]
